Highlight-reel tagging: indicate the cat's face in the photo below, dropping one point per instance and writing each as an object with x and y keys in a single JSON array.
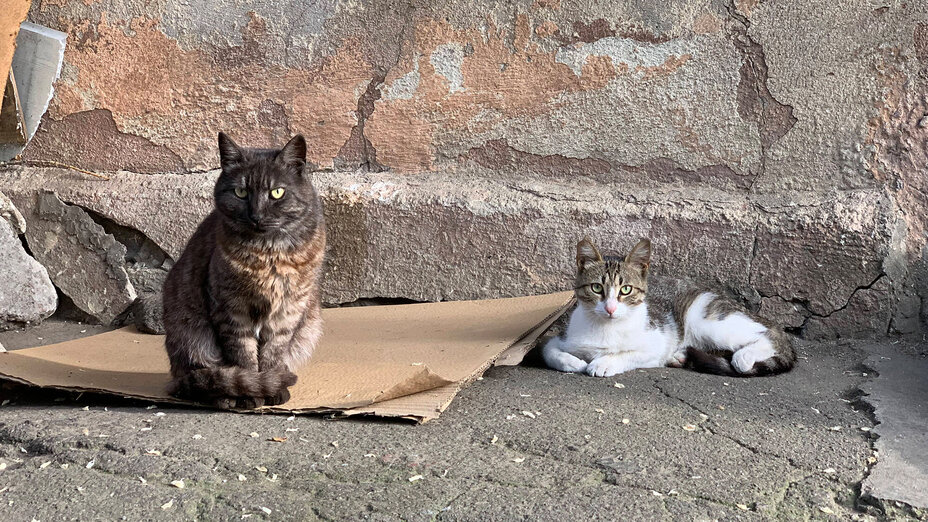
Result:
[
  {"x": 611, "y": 287},
  {"x": 265, "y": 192}
]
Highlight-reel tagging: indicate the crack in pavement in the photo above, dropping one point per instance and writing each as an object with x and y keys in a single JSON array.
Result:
[
  {"x": 599, "y": 469},
  {"x": 756, "y": 451}
]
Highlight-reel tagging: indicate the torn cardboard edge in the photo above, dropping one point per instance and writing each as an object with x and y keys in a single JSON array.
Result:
[
  {"x": 401, "y": 361},
  {"x": 443, "y": 396}
]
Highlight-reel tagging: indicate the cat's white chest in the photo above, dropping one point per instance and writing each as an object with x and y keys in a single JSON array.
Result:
[
  {"x": 589, "y": 336},
  {"x": 583, "y": 332}
]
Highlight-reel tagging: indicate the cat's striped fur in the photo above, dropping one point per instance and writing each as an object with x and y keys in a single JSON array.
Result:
[{"x": 611, "y": 332}]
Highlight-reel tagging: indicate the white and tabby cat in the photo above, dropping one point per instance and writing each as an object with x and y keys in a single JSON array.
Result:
[{"x": 610, "y": 331}]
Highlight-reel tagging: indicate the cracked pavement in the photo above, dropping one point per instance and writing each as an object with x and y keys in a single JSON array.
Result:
[{"x": 652, "y": 444}]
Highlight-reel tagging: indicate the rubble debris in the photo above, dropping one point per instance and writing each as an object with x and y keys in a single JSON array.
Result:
[
  {"x": 26, "y": 292},
  {"x": 9, "y": 212},
  {"x": 85, "y": 262}
]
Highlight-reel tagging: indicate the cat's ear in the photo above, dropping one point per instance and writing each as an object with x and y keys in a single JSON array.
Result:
[
  {"x": 587, "y": 253},
  {"x": 294, "y": 152},
  {"x": 229, "y": 152},
  {"x": 640, "y": 255}
]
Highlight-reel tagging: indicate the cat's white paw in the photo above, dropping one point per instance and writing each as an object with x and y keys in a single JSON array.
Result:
[
  {"x": 569, "y": 363},
  {"x": 606, "y": 366},
  {"x": 560, "y": 360},
  {"x": 563, "y": 361},
  {"x": 743, "y": 360},
  {"x": 677, "y": 359}
]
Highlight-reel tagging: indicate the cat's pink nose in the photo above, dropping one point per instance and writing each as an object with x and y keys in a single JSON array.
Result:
[{"x": 611, "y": 307}]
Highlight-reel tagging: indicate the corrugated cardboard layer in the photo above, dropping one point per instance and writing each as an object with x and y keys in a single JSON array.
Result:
[{"x": 396, "y": 361}]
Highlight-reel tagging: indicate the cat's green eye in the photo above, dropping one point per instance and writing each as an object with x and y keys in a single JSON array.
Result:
[
  {"x": 277, "y": 193},
  {"x": 240, "y": 192},
  {"x": 625, "y": 290},
  {"x": 596, "y": 288}
]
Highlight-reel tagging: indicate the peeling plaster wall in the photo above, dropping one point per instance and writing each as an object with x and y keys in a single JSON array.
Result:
[
  {"x": 426, "y": 82},
  {"x": 782, "y": 94},
  {"x": 764, "y": 101}
]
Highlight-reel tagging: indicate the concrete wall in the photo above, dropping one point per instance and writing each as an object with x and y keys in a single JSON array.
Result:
[{"x": 777, "y": 149}]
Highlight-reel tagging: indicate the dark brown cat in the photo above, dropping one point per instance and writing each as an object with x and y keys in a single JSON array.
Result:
[{"x": 242, "y": 304}]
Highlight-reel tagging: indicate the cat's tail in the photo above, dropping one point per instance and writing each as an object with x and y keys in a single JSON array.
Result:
[
  {"x": 705, "y": 362},
  {"x": 205, "y": 384}
]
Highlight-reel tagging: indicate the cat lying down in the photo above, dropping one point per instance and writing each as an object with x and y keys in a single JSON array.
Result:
[{"x": 610, "y": 331}]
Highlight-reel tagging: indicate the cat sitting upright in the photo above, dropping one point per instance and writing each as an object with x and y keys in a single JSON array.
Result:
[
  {"x": 241, "y": 305},
  {"x": 610, "y": 331}
]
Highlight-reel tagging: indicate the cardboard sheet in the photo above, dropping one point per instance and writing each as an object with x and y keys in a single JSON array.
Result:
[{"x": 394, "y": 361}]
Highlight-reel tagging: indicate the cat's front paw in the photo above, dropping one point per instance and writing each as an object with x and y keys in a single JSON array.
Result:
[
  {"x": 250, "y": 403},
  {"x": 606, "y": 366},
  {"x": 563, "y": 361},
  {"x": 224, "y": 403},
  {"x": 282, "y": 396},
  {"x": 571, "y": 364}
]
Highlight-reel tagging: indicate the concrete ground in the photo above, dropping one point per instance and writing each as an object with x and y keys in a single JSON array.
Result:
[{"x": 522, "y": 443}]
